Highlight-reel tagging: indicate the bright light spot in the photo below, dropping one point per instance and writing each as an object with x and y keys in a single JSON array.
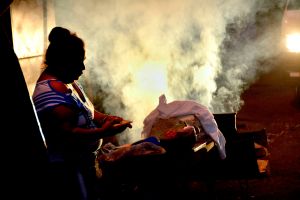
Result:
[
  {"x": 152, "y": 78},
  {"x": 293, "y": 42}
]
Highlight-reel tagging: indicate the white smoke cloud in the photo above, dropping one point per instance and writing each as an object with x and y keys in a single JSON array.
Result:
[{"x": 204, "y": 50}]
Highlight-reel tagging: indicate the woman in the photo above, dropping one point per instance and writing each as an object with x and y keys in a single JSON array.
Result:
[{"x": 73, "y": 129}]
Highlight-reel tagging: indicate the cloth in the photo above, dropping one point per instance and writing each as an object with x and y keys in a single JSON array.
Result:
[{"x": 179, "y": 108}]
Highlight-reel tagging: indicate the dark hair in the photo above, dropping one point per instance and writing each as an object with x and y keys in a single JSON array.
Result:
[{"x": 64, "y": 46}]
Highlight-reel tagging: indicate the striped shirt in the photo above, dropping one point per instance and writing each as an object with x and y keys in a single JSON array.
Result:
[{"x": 46, "y": 98}]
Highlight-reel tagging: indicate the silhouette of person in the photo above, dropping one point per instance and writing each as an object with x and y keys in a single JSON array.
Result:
[{"x": 73, "y": 129}]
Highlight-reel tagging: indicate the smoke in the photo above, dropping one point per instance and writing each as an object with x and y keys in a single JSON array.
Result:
[{"x": 209, "y": 51}]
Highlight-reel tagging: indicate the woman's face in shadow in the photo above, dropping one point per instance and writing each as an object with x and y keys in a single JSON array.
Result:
[{"x": 75, "y": 70}]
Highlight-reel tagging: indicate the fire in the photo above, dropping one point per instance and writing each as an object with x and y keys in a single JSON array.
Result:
[{"x": 293, "y": 42}]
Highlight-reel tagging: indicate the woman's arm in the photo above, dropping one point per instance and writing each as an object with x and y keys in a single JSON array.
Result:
[
  {"x": 66, "y": 120},
  {"x": 100, "y": 118},
  {"x": 119, "y": 126}
]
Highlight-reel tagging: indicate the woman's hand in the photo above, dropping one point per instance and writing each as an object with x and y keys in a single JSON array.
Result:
[
  {"x": 110, "y": 121},
  {"x": 115, "y": 124},
  {"x": 123, "y": 123},
  {"x": 116, "y": 119},
  {"x": 101, "y": 118}
]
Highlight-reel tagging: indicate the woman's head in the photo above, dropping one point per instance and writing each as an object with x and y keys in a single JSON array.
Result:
[{"x": 65, "y": 55}]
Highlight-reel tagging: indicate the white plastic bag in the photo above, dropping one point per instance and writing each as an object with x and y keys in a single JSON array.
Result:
[{"x": 179, "y": 108}]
